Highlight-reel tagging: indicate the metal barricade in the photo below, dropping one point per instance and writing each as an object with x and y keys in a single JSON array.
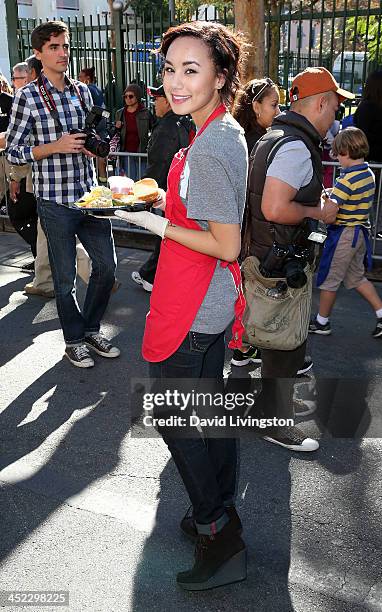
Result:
[
  {"x": 130, "y": 164},
  {"x": 376, "y": 211}
]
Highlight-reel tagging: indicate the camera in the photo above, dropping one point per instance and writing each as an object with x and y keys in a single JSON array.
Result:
[
  {"x": 288, "y": 258},
  {"x": 93, "y": 143}
]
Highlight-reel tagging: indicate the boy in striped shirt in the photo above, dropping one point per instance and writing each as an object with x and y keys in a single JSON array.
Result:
[{"x": 347, "y": 247}]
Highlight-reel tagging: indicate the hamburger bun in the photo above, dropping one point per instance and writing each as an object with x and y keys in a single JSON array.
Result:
[{"x": 146, "y": 190}]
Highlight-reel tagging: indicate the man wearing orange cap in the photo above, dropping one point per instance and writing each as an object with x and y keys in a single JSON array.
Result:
[{"x": 284, "y": 206}]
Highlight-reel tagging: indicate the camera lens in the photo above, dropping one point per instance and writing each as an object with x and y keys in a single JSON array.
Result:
[
  {"x": 101, "y": 148},
  {"x": 294, "y": 274}
]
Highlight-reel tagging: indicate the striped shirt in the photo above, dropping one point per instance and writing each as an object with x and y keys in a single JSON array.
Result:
[
  {"x": 354, "y": 192},
  {"x": 63, "y": 177}
]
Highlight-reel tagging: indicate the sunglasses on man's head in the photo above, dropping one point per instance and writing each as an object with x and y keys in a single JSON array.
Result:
[
  {"x": 268, "y": 83},
  {"x": 130, "y": 96}
]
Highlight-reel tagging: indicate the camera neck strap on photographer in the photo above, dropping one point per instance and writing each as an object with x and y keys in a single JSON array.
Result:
[{"x": 50, "y": 103}]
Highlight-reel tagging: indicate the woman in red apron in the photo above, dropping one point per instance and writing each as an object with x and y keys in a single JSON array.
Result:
[{"x": 197, "y": 289}]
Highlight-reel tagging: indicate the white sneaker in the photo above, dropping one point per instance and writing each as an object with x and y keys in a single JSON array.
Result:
[
  {"x": 291, "y": 438},
  {"x": 137, "y": 278}
]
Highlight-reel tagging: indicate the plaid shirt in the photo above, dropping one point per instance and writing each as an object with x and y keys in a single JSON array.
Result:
[{"x": 63, "y": 177}]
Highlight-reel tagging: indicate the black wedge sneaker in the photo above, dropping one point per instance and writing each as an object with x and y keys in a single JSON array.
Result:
[{"x": 220, "y": 559}]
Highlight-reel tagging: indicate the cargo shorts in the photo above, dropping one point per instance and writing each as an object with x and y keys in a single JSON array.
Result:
[{"x": 347, "y": 265}]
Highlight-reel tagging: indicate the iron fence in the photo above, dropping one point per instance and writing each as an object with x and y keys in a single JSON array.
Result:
[{"x": 342, "y": 35}]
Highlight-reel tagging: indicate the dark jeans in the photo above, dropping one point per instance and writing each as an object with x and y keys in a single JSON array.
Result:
[
  {"x": 133, "y": 167},
  {"x": 149, "y": 268},
  {"x": 278, "y": 371},
  {"x": 23, "y": 216},
  {"x": 207, "y": 465},
  {"x": 61, "y": 226}
]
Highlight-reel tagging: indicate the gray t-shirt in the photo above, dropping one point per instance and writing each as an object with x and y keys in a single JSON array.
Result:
[
  {"x": 292, "y": 164},
  {"x": 213, "y": 188}
]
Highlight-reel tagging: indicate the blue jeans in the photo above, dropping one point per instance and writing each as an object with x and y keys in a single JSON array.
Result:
[
  {"x": 207, "y": 466},
  {"x": 129, "y": 166},
  {"x": 61, "y": 226}
]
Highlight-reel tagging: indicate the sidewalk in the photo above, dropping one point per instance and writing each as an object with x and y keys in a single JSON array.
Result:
[{"x": 89, "y": 506}]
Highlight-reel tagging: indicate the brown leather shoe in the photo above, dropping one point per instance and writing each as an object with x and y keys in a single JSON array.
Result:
[{"x": 29, "y": 289}]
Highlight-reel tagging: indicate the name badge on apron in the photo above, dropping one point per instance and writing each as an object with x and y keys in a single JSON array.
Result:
[
  {"x": 184, "y": 179},
  {"x": 75, "y": 101}
]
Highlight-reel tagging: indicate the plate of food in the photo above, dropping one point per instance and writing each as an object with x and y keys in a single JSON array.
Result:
[{"x": 102, "y": 202}]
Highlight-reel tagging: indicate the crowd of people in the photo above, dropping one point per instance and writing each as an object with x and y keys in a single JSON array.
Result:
[{"x": 243, "y": 186}]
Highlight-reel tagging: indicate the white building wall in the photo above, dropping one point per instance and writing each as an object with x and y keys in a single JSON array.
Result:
[{"x": 4, "y": 57}]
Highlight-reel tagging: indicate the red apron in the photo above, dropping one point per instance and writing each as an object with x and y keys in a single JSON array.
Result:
[{"x": 183, "y": 276}]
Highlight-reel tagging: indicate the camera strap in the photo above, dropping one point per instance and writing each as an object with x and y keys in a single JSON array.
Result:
[{"x": 50, "y": 103}]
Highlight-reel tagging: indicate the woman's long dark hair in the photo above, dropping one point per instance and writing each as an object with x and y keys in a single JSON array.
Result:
[
  {"x": 257, "y": 89},
  {"x": 373, "y": 88},
  {"x": 226, "y": 48}
]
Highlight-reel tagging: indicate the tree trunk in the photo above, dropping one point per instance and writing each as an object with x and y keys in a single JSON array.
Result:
[
  {"x": 249, "y": 19},
  {"x": 274, "y": 30},
  {"x": 112, "y": 33}
]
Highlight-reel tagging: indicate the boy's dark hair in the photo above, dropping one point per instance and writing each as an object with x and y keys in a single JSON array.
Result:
[
  {"x": 351, "y": 141},
  {"x": 44, "y": 31},
  {"x": 34, "y": 64},
  {"x": 226, "y": 49}
]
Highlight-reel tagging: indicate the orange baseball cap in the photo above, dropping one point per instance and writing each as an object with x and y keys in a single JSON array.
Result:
[{"x": 314, "y": 81}]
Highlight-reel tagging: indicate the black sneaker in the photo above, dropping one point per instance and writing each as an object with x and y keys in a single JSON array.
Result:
[
  {"x": 188, "y": 527},
  {"x": 316, "y": 328},
  {"x": 378, "y": 330},
  {"x": 291, "y": 438},
  {"x": 308, "y": 364},
  {"x": 79, "y": 356},
  {"x": 253, "y": 355},
  {"x": 100, "y": 345}
]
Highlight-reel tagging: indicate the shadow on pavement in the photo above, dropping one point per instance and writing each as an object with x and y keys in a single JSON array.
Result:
[{"x": 88, "y": 451}]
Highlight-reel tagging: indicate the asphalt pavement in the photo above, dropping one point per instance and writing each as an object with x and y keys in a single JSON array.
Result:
[{"x": 90, "y": 505}]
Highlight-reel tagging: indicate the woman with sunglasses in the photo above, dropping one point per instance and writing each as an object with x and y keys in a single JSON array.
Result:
[
  {"x": 197, "y": 288},
  {"x": 135, "y": 123},
  {"x": 256, "y": 106}
]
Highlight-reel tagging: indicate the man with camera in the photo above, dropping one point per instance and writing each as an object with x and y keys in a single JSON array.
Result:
[
  {"x": 47, "y": 130},
  {"x": 284, "y": 207}
]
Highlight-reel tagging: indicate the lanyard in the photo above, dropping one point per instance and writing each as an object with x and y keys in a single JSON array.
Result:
[{"x": 50, "y": 103}]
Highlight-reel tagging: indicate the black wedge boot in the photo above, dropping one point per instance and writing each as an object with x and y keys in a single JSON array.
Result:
[
  {"x": 219, "y": 559},
  {"x": 188, "y": 527}
]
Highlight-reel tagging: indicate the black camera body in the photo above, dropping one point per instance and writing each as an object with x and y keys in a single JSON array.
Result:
[
  {"x": 93, "y": 143},
  {"x": 289, "y": 254}
]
